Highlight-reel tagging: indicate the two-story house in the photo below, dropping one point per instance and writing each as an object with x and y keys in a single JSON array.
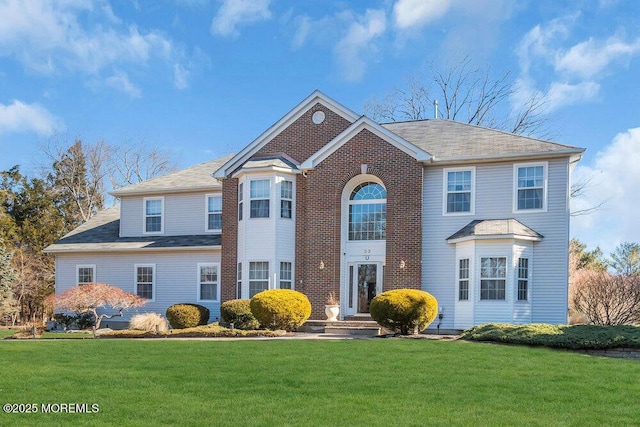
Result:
[{"x": 328, "y": 200}]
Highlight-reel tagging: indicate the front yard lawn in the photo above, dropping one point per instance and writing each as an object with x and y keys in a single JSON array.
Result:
[{"x": 315, "y": 382}]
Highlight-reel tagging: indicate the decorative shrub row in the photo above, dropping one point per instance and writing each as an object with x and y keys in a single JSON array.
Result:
[
  {"x": 181, "y": 316},
  {"x": 238, "y": 312}
]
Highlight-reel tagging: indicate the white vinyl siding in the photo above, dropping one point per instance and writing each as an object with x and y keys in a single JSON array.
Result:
[
  {"x": 208, "y": 282},
  {"x": 174, "y": 281},
  {"x": 547, "y": 300},
  {"x": 183, "y": 214}
]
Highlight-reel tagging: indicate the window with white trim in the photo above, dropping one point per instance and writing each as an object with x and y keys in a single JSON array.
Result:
[
  {"x": 286, "y": 199},
  {"x": 459, "y": 191},
  {"x": 145, "y": 280},
  {"x": 85, "y": 274},
  {"x": 240, "y": 197},
  {"x": 523, "y": 279},
  {"x": 368, "y": 212},
  {"x": 530, "y": 186},
  {"x": 463, "y": 279},
  {"x": 208, "y": 282},
  {"x": 153, "y": 222},
  {"x": 259, "y": 198},
  {"x": 493, "y": 275},
  {"x": 214, "y": 213},
  {"x": 239, "y": 281},
  {"x": 286, "y": 275},
  {"x": 258, "y": 277}
]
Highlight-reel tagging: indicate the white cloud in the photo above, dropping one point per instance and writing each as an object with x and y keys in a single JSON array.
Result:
[
  {"x": 120, "y": 81},
  {"x": 358, "y": 42},
  {"x": 80, "y": 36},
  {"x": 234, "y": 13},
  {"x": 180, "y": 76},
  {"x": 591, "y": 57},
  {"x": 615, "y": 180},
  {"x": 418, "y": 13},
  {"x": 568, "y": 75},
  {"x": 20, "y": 117}
]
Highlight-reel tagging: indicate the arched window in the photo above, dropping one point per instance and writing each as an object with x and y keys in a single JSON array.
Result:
[{"x": 368, "y": 212}]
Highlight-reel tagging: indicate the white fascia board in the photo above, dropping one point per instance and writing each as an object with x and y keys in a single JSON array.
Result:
[
  {"x": 167, "y": 190},
  {"x": 365, "y": 123},
  {"x": 514, "y": 156},
  {"x": 247, "y": 171},
  {"x": 283, "y": 123}
]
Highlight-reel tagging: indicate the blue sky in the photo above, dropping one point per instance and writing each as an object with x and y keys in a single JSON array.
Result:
[{"x": 204, "y": 78}]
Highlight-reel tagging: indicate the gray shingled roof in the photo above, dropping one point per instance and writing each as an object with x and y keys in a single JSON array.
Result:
[
  {"x": 101, "y": 233},
  {"x": 449, "y": 140},
  {"x": 496, "y": 227},
  {"x": 199, "y": 177}
]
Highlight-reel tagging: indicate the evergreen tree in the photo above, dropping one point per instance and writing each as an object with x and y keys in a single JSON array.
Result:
[
  {"x": 8, "y": 277},
  {"x": 625, "y": 259}
]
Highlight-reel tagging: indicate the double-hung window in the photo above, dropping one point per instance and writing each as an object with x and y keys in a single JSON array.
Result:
[
  {"x": 214, "y": 213},
  {"x": 153, "y": 208},
  {"x": 145, "y": 280},
  {"x": 523, "y": 279},
  {"x": 85, "y": 274},
  {"x": 208, "y": 282},
  {"x": 258, "y": 277},
  {"x": 286, "y": 199},
  {"x": 493, "y": 275},
  {"x": 259, "y": 195},
  {"x": 463, "y": 279},
  {"x": 459, "y": 191},
  {"x": 530, "y": 187},
  {"x": 285, "y": 275}
]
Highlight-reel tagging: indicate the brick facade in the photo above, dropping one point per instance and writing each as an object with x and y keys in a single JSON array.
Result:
[
  {"x": 318, "y": 207},
  {"x": 318, "y": 228}
]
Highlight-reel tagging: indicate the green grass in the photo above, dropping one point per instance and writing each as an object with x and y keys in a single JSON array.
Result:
[{"x": 386, "y": 382}]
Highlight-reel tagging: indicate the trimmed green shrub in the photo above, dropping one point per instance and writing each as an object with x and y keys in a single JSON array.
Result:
[
  {"x": 407, "y": 311},
  {"x": 281, "y": 308},
  {"x": 576, "y": 337},
  {"x": 238, "y": 312},
  {"x": 181, "y": 316}
]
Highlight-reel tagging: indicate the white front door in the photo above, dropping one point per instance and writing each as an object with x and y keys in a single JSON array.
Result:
[{"x": 365, "y": 282}]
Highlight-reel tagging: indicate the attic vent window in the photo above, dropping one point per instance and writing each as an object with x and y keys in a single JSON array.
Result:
[{"x": 318, "y": 117}]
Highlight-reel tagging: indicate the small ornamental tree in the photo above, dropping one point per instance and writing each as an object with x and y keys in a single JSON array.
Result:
[
  {"x": 91, "y": 298},
  {"x": 281, "y": 308},
  {"x": 407, "y": 311},
  {"x": 607, "y": 299}
]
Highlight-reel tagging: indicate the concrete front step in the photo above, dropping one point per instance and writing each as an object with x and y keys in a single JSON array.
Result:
[{"x": 341, "y": 327}]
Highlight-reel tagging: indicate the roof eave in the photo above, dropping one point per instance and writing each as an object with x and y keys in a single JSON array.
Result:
[
  {"x": 572, "y": 153},
  {"x": 496, "y": 237},
  {"x": 166, "y": 190},
  {"x": 54, "y": 250}
]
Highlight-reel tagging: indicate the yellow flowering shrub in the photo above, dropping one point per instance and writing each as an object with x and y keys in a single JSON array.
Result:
[
  {"x": 281, "y": 308},
  {"x": 407, "y": 311}
]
